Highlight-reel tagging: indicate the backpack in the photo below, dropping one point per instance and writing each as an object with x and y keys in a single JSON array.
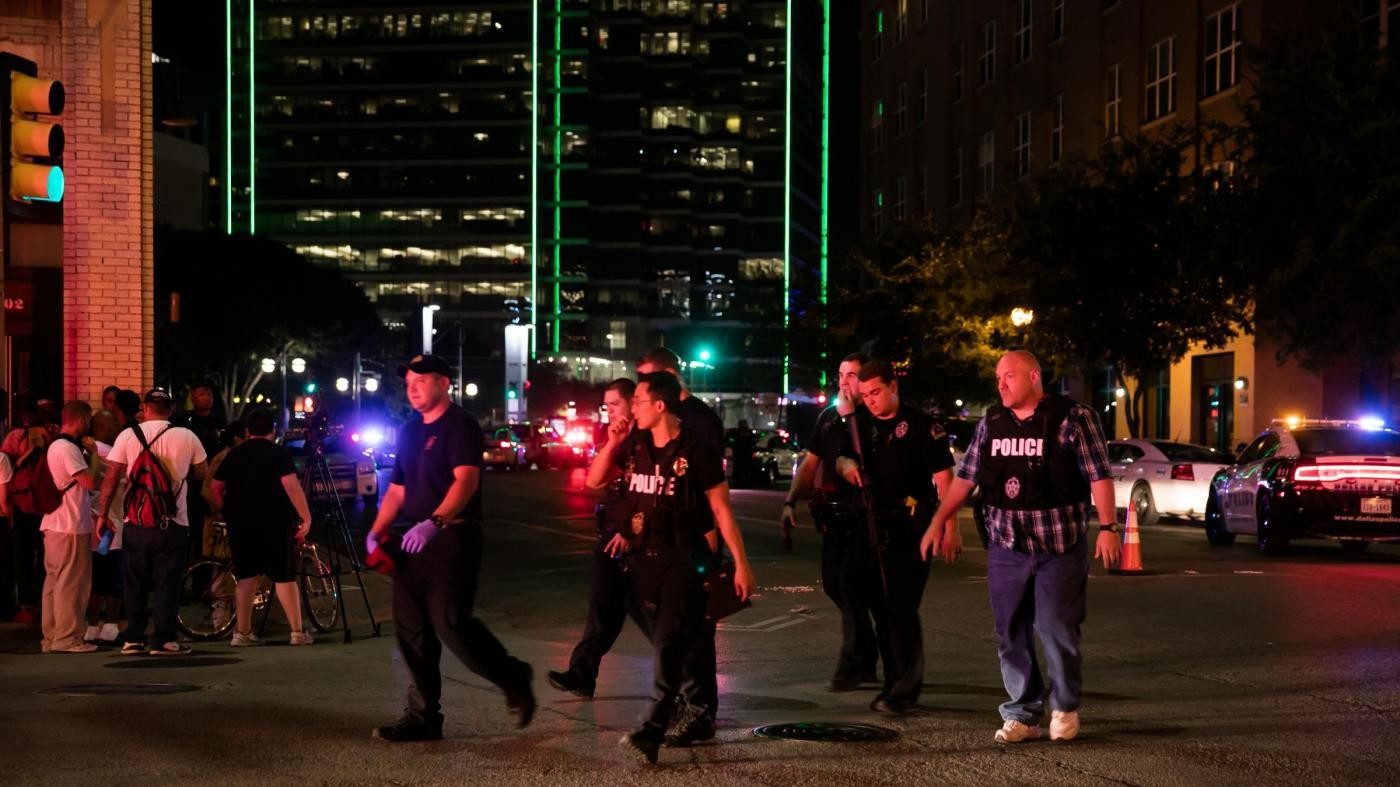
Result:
[
  {"x": 33, "y": 488},
  {"x": 150, "y": 496}
]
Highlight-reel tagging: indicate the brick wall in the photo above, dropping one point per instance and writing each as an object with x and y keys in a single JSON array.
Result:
[{"x": 107, "y": 236}]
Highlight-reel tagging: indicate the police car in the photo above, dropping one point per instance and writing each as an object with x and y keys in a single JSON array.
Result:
[{"x": 1329, "y": 479}]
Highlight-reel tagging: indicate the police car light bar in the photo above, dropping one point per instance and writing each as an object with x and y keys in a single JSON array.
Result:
[{"x": 1295, "y": 422}]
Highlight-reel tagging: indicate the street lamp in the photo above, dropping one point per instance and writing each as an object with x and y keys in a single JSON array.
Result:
[
  {"x": 269, "y": 366},
  {"x": 342, "y": 384},
  {"x": 472, "y": 390},
  {"x": 299, "y": 365},
  {"x": 372, "y": 384},
  {"x": 1022, "y": 317}
]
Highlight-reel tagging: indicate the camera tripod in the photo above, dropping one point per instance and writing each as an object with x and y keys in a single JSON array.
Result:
[{"x": 327, "y": 513}]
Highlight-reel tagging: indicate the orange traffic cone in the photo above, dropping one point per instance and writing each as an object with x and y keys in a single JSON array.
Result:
[{"x": 1131, "y": 560}]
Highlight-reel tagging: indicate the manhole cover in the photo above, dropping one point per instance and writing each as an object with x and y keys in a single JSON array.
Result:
[
  {"x": 826, "y": 732},
  {"x": 107, "y": 689},
  {"x": 172, "y": 662}
]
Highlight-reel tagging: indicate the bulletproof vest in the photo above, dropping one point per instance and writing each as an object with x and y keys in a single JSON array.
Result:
[
  {"x": 1023, "y": 467},
  {"x": 655, "y": 518}
]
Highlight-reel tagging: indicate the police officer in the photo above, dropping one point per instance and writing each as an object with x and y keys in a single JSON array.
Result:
[
  {"x": 608, "y": 597},
  {"x": 675, "y": 495},
  {"x": 845, "y": 539},
  {"x": 695, "y": 720},
  {"x": 1038, "y": 460},
  {"x": 436, "y": 486},
  {"x": 905, "y": 459}
]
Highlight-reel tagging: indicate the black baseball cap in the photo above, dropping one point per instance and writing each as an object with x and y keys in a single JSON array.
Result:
[
  {"x": 425, "y": 364},
  {"x": 158, "y": 396}
]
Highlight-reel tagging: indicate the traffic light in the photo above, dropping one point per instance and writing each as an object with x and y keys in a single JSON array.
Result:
[
  {"x": 311, "y": 388},
  {"x": 33, "y": 139},
  {"x": 511, "y": 392},
  {"x": 309, "y": 404}
]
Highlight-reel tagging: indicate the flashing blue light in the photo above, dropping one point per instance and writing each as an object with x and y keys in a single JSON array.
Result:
[
  {"x": 1371, "y": 422},
  {"x": 372, "y": 437}
]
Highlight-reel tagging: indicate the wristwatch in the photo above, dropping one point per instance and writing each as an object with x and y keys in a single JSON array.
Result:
[
  {"x": 1111, "y": 528},
  {"x": 437, "y": 520}
]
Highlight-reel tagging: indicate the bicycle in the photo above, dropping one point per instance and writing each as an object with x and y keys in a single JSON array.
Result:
[{"x": 207, "y": 590}]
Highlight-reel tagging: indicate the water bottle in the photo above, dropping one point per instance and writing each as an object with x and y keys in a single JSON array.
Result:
[{"x": 106, "y": 542}]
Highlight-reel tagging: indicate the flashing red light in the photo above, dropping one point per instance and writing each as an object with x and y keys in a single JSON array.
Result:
[
  {"x": 821, "y": 399},
  {"x": 576, "y": 437},
  {"x": 1183, "y": 473},
  {"x": 505, "y": 444}
]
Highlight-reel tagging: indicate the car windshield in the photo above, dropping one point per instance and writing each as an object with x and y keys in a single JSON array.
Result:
[
  {"x": 334, "y": 444},
  {"x": 1324, "y": 442},
  {"x": 1185, "y": 452},
  {"x": 521, "y": 431}
]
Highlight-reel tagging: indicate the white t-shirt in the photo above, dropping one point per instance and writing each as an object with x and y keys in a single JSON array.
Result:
[
  {"x": 74, "y": 514},
  {"x": 114, "y": 511},
  {"x": 178, "y": 450},
  {"x": 7, "y": 469}
]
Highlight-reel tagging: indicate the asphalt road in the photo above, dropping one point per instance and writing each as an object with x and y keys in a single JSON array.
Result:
[{"x": 1217, "y": 667}]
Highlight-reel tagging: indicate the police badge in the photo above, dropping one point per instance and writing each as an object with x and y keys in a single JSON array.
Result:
[
  {"x": 679, "y": 466},
  {"x": 1013, "y": 487},
  {"x": 639, "y": 523},
  {"x": 902, "y": 429}
]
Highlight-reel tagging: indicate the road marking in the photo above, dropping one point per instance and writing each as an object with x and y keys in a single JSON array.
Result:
[
  {"x": 552, "y": 530},
  {"x": 767, "y": 626}
]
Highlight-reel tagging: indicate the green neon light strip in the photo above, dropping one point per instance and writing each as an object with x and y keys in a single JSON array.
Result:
[
  {"x": 787, "y": 206},
  {"x": 252, "y": 175},
  {"x": 826, "y": 164},
  {"x": 558, "y": 159},
  {"x": 228, "y": 116},
  {"x": 534, "y": 177}
]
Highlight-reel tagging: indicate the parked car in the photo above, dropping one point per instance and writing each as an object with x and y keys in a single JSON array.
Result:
[
  {"x": 1161, "y": 477},
  {"x": 503, "y": 449},
  {"x": 352, "y": 469},
  {"x": 1310, "y": 479},
  {"x": 544, "y": 446},
  {"x": 761, "y": 471},
  {"x": 787, "y": 454}
]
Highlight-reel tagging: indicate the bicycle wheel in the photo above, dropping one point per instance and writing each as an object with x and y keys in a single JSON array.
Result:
[
  {"x": 206, "y": 600},
  {"x": 320, "y": 591}
]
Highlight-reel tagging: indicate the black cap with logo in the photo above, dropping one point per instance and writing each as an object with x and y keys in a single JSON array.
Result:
[{"x": 425, "y": 364}]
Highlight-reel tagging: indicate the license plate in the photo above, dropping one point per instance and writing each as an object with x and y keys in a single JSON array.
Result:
[{"x": 1375, "y": 505}]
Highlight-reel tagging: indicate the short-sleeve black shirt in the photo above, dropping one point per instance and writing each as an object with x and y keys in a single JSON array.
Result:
[
  {"x": 902, "y": 454},
  {"x": 703, "y": 423},
  {"x": 428, "y": 453},
  {"x": 828, "y": 438},
  {"x": 252, "y": 473}
]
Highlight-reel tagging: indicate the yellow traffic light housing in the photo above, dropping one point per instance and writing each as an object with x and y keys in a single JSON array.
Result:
[{"x": 33, "y": 136}]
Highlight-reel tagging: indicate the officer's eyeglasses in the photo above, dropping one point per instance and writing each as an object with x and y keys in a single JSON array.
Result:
[{"x": 637, "y": 400}]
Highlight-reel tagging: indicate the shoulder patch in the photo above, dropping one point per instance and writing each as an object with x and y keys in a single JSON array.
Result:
[{"x": 935, "y": 430}]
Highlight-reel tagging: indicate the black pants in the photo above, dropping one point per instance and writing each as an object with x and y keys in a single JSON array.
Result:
[
  {"x": 27, "y": 558},
  {"x": 155, "y": 562},
  {"x": 845, "y": 568},
  {"x": 897, "y": 625},
  {"x": 609, "y": 604},
  {"x": 434, "y": 592},
  {"x": 670, "y": 580}
]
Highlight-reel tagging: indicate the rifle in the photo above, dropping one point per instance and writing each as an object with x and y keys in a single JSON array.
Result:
[{"x": 870, "y": 521}]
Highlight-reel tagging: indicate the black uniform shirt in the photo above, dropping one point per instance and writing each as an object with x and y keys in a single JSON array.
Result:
[
  {"x": 653, "y": 476},
  {"x": 902, "y": 454},
  {"x": 702, "y": 422},
  {"x": 828, "y": 438},
  {"x": 428, "y": 453}
]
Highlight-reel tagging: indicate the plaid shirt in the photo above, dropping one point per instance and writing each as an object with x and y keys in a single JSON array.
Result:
[{"x": 1052, "y": 530}]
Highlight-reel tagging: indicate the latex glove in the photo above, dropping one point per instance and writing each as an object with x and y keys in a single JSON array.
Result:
[
  {"x": 418, "y": 536},
  {"x": 371, "y": 541}
]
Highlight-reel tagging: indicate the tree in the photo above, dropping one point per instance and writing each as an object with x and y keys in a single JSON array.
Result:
[
  {"x": 244, "y": 298},
  {"x": 1127, "y": 259},
  {"x": 1322, "y": 133}
]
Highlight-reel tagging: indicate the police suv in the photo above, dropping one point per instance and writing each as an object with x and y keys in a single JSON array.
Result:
[{"x": 1327, "y": 479}]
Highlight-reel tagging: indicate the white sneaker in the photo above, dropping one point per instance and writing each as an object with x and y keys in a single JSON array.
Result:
[
  {"x": 91, "y": 634},
  {"x": 245, "y": 640},
  {"x": 301, "y": 638},
  {"x": 1014, "y": 732},
  {"x": 1064, "y": 725}
]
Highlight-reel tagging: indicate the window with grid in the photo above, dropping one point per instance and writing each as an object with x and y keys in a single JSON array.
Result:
[
  {"x": 923, "y": 94},
  {"x": 1161, "y": 79},
  {"x": 1113, "y": 99},
  {"x": 901, "y": 195},
  {"x": 1221, "y": 67},
  {"x": 1380, "y": 19},
  {"x": 987, "y": 54},
  {"x": 987, "y": 163},
  {"x": 877, "y": 39},
  {"x": 1021, "y": 154},
  {"x": 1057, "y": 20},
  {"x": 957, "y": 72},
  {"x": 1021, "y": 40},
  {"x": 877, "y": 125},
  {"x": 901, "y": 107},
  {"x": 955, "y": 178},
  {"x": 1057, "y": 127},
  {"x": 901, "y": 21}
]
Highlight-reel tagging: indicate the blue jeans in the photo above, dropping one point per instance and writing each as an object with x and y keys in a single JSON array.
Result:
[{"x": 1044, "y": 594}]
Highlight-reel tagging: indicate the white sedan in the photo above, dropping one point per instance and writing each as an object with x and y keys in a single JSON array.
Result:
[{"x": 1161, "y": 477}]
